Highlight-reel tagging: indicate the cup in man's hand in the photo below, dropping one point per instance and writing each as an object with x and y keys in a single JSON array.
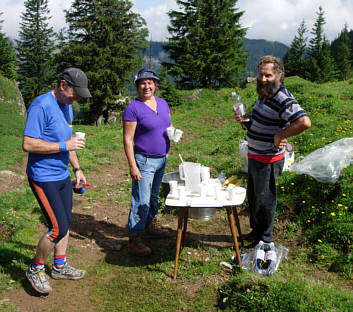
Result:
[{"x": 80, "y": 134}]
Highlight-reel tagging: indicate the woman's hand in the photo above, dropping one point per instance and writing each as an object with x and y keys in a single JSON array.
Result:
[{"x": 135, "y": 173}]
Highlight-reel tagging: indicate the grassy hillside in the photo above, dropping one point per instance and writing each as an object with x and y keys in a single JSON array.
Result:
[
  {"x": 11, "y": 124},
  {"x": 314, "y": 220}
]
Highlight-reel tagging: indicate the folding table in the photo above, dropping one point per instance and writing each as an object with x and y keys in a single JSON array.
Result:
[{"x": 191, "y": 201}]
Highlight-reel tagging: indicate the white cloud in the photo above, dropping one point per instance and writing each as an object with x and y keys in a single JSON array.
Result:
[
  {"x": 13, "y": 9},
  {"x": 278, "y": 20},
  {"x": 157, "y": 18}
]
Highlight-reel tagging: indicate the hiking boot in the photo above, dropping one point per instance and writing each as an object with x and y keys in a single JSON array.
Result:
[
  {"x": 153, "y": 230},
  {"x": 67, "y": 272},
  {"x": 251, "y": 237},
  {"x": 38, "y": 280},
  {"x": 137, "y": 247}
]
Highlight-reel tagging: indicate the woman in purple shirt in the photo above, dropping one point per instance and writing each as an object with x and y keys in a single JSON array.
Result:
[{"x": 146, "y": 144}]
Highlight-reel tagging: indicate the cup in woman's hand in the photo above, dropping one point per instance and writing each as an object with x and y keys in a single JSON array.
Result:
[
  {"x": 171, "y": 133},
  {"x": 177, "y": 135}
]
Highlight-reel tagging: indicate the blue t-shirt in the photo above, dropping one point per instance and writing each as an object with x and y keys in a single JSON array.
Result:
[
  {"x": 151, "y": 138},
  {"x": 51, "y": 121}
]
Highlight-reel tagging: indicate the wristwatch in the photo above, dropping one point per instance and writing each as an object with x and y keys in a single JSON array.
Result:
[{"x": 77, "y": 169}]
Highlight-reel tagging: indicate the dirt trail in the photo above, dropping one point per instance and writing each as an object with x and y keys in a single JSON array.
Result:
[{"x": 99, "y": 228}]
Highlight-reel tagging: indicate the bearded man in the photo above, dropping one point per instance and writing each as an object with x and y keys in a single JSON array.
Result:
[{"x": 275, "y": 117}]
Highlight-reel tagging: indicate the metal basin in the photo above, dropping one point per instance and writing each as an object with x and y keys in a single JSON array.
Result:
[{"x": 201, "y": 213}]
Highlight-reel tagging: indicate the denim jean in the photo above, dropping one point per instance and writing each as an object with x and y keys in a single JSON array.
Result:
[
  {"x": 144, "y": 195},
  {"x": 262, "y": 196}
]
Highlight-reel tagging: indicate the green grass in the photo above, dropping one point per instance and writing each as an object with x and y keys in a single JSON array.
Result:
[
  {"x": 246, "y": 292},
  {"x": 11, "y": 125},
  {"x": 315, "y": 219}
]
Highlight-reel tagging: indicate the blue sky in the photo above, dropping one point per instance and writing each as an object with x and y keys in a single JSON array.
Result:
[{"x": 273, "y": 20}]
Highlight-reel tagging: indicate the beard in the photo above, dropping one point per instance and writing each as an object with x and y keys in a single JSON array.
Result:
[{"x": 267, "y": 89}]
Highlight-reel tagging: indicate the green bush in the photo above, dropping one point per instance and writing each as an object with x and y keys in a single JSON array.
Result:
[{"x": 244, "y": 292}]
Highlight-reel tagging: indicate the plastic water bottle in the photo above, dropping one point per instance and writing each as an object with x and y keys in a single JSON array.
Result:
[
  {"x": 238, "y": 105},
  {"x": 80, "y": 190},
  {"x": 270, "y": 259},
  {"x": 259, "y": 257}
]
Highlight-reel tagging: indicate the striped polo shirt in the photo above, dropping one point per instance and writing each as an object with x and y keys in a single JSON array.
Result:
[{"x": 269, "y": 116}]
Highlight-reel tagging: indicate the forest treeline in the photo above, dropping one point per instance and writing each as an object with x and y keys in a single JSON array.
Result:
[{"x": 206, "y": 48}]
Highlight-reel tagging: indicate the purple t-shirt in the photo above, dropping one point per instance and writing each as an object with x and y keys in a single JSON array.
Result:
[{"x": 151, "y": 138}]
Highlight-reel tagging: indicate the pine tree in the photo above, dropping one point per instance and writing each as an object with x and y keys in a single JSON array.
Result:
[
  {"x": 320, "y": 66},
  {"x": 350, "y": 35},
  {"x": 341, "y": 53},
  {"x": 295, "y": 58},
  {"x": 35, "y": 49},
  {"x": 103, "y": 39},
  {"x": 206, "y": 44},
  {"x": 7, "y": 56}
]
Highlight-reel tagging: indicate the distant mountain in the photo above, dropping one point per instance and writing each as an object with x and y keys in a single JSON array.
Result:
[
  {"x": 155, "y": 54},
  {"x": 259, "y": 48}
]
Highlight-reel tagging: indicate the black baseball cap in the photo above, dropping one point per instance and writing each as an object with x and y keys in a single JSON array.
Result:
[
  {"x": 78, "y": 80},
  {"x": 146, "y": 74}
]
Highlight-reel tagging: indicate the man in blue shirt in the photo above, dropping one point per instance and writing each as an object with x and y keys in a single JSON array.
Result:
[{"x": 50, "y": 146}]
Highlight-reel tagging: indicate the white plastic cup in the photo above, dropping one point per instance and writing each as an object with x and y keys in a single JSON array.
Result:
[
  {"x": 80, "y": 134},
  {"x": 182, "y": 192},
  {"x": 202, "y": 189},
  {"x": 173, "y": 185},
  {"x": 232, "y": 193},
  {"x": 177, "y": 135},
  {"x": 171, "y": 133},
  {"x": 218, "y": 190},
  {"x": 205, "y": 174}
]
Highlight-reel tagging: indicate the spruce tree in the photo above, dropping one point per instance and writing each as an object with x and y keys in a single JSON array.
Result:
[
  {"x": 206, "y": 44},
  {"x": 35, "y": 50},
  {"x": 341, "y": 53},
  {"x": 350, "y": 35},
  {"x": 7, "y": 56},
  {"x": 320, "y": 66},
  {"x": 295, "y": 58},
  {"x": 103, "y": 39}
]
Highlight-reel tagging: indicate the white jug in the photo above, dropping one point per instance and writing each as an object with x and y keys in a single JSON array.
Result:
[{"x": 191, "y": 173}]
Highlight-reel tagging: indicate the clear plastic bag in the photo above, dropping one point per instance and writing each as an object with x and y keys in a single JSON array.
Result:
[
  {"x": 243, "y": 149},
  {"x": 248, "y": 259},
  {"x": 325, "y": 164}
]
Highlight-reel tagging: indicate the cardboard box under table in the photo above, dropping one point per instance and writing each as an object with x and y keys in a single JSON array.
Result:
[{"x": 194, "y": 201}]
